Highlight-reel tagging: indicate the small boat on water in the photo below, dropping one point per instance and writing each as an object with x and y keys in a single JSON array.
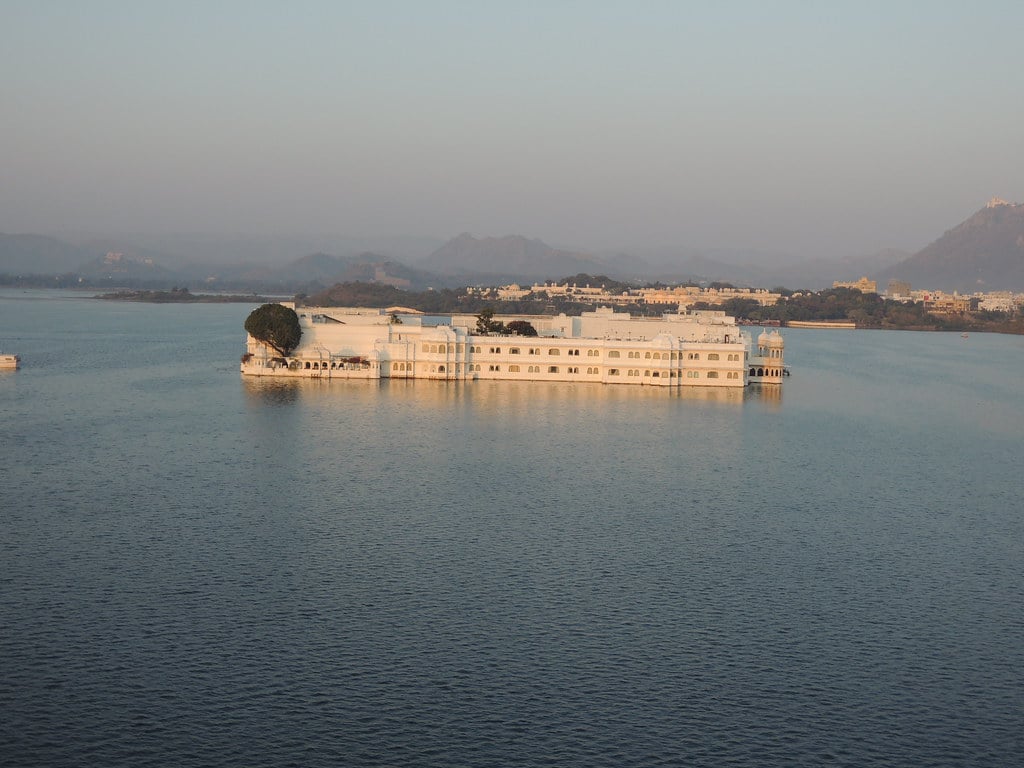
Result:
[{"x": 9, "y": 362}]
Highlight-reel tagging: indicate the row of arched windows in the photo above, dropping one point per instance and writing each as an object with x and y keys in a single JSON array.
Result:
[
  {"x": 613, "y": 353},
  {"x": 591, "y": 371},
  {"x": 323, "y": 365}
]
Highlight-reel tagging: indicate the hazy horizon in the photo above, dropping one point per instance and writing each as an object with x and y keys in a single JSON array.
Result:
[{"x": 779, "y": 128}]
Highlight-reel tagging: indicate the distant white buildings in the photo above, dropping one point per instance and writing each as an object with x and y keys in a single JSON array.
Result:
[
  {"x": 1000, "y": 301},
  {"x": 682, "y": 297},
  {"x": 942, "y": 303}
]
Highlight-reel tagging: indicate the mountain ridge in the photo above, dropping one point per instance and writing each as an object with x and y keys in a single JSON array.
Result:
[
  {"x": 531, "y": 258},
  {"x": 984, "y": 252}
]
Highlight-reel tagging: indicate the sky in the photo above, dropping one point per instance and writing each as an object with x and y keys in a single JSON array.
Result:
[{"x": 818, "y": 129}]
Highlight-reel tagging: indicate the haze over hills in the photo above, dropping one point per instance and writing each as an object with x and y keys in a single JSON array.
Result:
[
  {"x": 519, "y": 259},
  {"x": 112, "y": 259},
  {"x": 983, "y": 253},
  {"x": 464, "y": 260},
  {"x": 41, "y": 255},
  {"x": 510, "y": 255},
  {"x": 175, "y": 250}
]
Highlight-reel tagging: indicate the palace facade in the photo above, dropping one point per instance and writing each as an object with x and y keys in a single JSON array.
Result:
[{"x": 699, "y": 349}]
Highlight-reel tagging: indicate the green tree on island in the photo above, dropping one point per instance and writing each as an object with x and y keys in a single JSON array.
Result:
[
  {"x": 276, "y": 326},
  {"x": 520, "y": 328},
  {"x": 486, "y": 324}
]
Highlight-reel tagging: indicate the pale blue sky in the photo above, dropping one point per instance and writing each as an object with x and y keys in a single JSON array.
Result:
[{"x": 816, "y": 128}]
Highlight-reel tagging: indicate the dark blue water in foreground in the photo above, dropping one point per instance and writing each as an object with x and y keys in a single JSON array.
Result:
[{"x": 197, "y": 570}]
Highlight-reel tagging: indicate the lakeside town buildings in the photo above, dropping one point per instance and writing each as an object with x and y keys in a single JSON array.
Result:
[
  {"x": 683, "y": 297},
  {"x": 699, "y": 349}
]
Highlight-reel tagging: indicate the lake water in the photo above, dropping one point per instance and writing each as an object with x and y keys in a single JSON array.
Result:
[{"x": 201, "y": 570}]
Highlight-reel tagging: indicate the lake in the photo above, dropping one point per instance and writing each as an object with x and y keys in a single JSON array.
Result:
[{"x": 201, "y": 570}]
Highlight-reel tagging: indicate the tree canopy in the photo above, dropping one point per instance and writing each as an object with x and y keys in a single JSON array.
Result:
[
  {"x": 486, "y": 324},
  {"x": 520, "y": 328},
  {"x": 276, "y": 326}
]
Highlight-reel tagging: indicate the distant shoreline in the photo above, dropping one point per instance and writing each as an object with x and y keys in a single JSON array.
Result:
[
  {"x": 821, "y": 324},
  {"x": 183, "y": 296}
]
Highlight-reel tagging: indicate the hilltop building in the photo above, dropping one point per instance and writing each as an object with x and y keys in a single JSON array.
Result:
[{"x": 863, "y": 285}]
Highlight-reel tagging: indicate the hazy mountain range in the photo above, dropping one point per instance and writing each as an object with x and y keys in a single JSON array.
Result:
[{"x": 985, "y": 252}]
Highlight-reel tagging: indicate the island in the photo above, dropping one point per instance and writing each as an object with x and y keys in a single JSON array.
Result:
[{"x": 182, "y": 296}]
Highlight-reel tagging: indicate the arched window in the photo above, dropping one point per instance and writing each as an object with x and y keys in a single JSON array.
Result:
[
  {"x": 552, "y": 369},
  {"x": 613, "y": 353},
  {"x": 553, "y": 352},
  {"x": 712, "y": 374},
  {"x": 712, "y": 356}
]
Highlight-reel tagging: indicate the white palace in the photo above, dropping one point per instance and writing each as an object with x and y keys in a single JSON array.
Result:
[{"x": 698, "y": 349}]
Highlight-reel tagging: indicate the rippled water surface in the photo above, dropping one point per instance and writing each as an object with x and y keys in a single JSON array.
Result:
[{"x": 200, "y": 570}]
